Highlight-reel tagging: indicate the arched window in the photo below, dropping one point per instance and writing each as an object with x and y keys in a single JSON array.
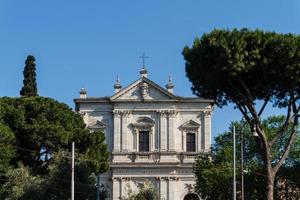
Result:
[
  {"x": 190, "y": 142},
  {"x": 144, "y": 141}
]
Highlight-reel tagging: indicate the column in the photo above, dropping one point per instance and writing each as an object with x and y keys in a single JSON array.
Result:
[
  {"x": 116, "y": 189},
  {"x": 163, "y": 131},
  {"x": 171, "y": 133},
  {"x": 117, "y": 131}
]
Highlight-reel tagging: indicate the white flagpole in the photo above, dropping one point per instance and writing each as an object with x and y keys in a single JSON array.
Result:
[
  {"x": 234, "y": 165},
  {"x": 72, "y": 181}
]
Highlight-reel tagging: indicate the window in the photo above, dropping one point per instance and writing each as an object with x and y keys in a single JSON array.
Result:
[
  {"x": 190, "y": 142},
  {"x": 144, "y": 141}
]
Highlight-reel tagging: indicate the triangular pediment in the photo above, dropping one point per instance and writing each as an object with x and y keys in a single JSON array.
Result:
[
  {"x": 97, "y": 125},
  {"x": 189, "y": 125},
  {"x": 143, "y": 89}
]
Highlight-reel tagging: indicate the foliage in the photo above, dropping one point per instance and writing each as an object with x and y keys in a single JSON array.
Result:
[
  {"x": 147, "y": 192},
  {"x": 7, "y": 151},
  {"x": 58, "y": 183},
  {"x": 214, "y": 176},
  {"x": 214, "y": 180},
  {"x": 35, "y": 140},
  {"x": 21, "y": 184},
  {"x": 42, "y": 126},
  {"x": 222, "y": 63},
  {"x": 30, "y": 87},
  {"x": 251, "y": 69}
]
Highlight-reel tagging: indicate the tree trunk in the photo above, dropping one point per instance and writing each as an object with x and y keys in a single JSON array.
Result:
[{"x": 270, "y": 182}]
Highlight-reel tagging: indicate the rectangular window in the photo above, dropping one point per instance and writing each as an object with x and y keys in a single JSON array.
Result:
[
  {"x": 190, "y": 142},
  {"x": 144, "y": 141}
]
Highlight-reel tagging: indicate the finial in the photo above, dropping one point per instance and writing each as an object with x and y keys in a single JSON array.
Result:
[
  {"x": 143, "y": 71},
  {"x": 143, "y": 57},
  {"x": 170, "y": 85},
  {"x": 117, "y": 85},
  {"x": 170, "y": 79},
  {"x": 83, "y": 93}
]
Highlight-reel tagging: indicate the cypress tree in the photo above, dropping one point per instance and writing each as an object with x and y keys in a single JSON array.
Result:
[{"x": 30, "y": 87}]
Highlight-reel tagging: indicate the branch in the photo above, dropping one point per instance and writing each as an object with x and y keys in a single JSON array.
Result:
[
  {"x": 244, "y": 112},
  {"x": 264, "y": 105},
  {"x": 288, "y": 145},
  {"x": 285, "y": 125}
]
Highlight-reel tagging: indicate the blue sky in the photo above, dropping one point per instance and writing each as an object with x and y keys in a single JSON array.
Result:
[{"x": 88, "y": 43}]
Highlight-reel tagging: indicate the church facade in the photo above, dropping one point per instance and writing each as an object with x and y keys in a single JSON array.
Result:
[{"x": 153, "y": 135}]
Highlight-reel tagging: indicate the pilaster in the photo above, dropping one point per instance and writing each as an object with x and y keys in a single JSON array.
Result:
[
  {"x": 163, "y": 188},
  {"x": 172, "y": 188},
  {"x": 116, "y": 189},
  {"x": 207, "y": 129},
  {"x": 125, "y": 140},
  {"x": 117, "y": 131},
  {"x": 171, "y": 134},
  {"x": 163, "y": 129}
]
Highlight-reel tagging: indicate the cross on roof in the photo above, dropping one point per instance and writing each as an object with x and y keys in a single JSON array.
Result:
[{"x": 143, "y": 57}]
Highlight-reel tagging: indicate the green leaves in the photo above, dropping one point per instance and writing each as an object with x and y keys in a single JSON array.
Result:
[
  {"x": 7, "y": 150},
  {"x": 214, "y": 176},
  {"x": 43, "y": 126},
  {"x": 30, "y": 87},
  {"x": 221, "y": 61}
]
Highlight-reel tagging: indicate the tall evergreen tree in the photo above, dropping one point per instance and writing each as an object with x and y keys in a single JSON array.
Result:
[{"x": 29, "y": 88}]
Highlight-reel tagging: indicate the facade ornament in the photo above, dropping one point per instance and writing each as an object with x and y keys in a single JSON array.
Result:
[
  {"x": 125, "y": 178},
  {"x": 143, "y": 123},
  {"x": 98, "y": 125},
  {"x": 83, "y": 93},
  {"x": 143, "y": 71},
  {"x": 172, "y": 113},
  {"x": 188, "y": 187},
  {"x": 144, "y": 89},
  {"x": 126, "y": 113},
  {"x": 82, "y": 113},
  {"x": 117, "y": 85},
  {"x": 162, "y": 113},
  {"x": 207, "y": 113},
  {"x": 173, "y": 178},
  {"x": 190, "y": 125},
  {"x": 117, "y": 113},
  {"x": 170, "y": 85}
]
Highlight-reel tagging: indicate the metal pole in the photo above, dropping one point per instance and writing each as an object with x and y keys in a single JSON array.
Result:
[
  {"x": 98, "y": 187},
  {"x": 242, "y": 164},
  {"x": 72, "y": 179},
  {"x": 234, "y": 175}
]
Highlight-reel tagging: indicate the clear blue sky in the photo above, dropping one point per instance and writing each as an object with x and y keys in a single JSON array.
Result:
[{"x": 87, "y": 43}]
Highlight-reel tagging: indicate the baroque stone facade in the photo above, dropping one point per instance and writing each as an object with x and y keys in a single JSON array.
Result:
[{"x": 153, "y": 136}]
